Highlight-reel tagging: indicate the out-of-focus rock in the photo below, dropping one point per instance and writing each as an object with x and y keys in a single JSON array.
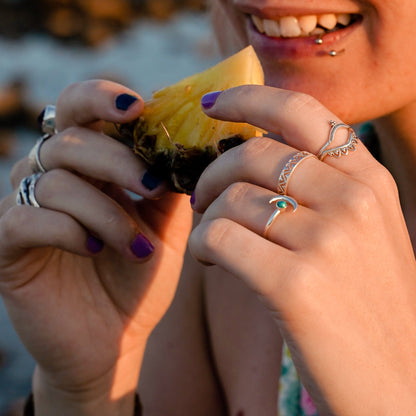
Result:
[
  {"x": 15, "y": 112},
  {"x": 88, "y": 22}
]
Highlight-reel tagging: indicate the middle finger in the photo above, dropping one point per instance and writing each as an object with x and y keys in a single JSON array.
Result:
[
  {"x": 62, "y": 191},
  {"x": 91, "y": 154},
  {"x": 260, "y": 161}
]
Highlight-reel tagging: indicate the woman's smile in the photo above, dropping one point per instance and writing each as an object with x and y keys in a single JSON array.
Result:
[
  {"x": 301, "y": 36},
  {"x": 302, "y": 26},
  {"x": 294, "y": 31}
]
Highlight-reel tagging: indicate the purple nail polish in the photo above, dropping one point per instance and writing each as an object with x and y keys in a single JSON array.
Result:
[
  {"x": 124, "y": 101},
  {"x": 208, "y": 100},
  {"x": 142, "y": 247},
  {"x": 94, "y": 245},
  {"x": 193, "y": 199}
]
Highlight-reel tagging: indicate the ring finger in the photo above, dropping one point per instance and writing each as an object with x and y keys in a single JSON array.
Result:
[
  {"x": 249, "y": 205},
  {"x": 64, "y": 192}
]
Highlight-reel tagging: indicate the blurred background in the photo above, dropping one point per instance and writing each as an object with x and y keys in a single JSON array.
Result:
[{"x": 46, "y": 45}]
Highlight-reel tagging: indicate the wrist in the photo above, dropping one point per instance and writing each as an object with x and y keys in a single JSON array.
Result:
[
  {"x": 113, "y": 394},
  {"x": 50, "y": 400},
  {"x": 29, "y": 407}
]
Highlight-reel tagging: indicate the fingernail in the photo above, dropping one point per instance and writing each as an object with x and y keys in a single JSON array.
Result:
[
  {"x": 142, "y": 247},
  {"x": 124, "y": 101},
  {"x": 150, "y": 182},
  {"x": 192, "y": 199},
  {"x": 94, "y": 245},
  {"x": 208, "y": 100}
]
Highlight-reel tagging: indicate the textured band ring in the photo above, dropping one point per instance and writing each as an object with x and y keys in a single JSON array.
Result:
[
  {"x": 34, "y": 156},
  {"x": 26, "y": 191},
  {"x": 342, "y": 150},
  {"x": 288, "y": 169},
  {"x": 47, "y": 120}
]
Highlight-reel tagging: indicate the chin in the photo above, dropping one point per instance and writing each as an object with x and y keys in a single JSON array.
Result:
[{"x": 339, "y": 97}]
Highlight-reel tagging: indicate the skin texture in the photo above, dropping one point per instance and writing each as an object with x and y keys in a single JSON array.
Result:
[{"x": 335, "y": 279}]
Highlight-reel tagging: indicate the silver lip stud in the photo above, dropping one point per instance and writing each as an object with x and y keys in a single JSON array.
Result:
[{"x": 336, "y": 53}]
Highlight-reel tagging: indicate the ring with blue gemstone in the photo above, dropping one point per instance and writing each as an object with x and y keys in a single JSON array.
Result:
[{"x": 282, "y": 202}]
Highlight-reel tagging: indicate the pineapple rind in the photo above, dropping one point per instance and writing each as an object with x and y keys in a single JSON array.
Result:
[{"x": 176, "y": 138}]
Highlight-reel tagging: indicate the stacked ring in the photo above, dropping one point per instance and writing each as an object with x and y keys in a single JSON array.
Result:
[
  {"x": 26, "y": 191},
  {"x": 289, "y": 168},
  {"x": 34, "y": 158},
  {"x": 46, "y": 121},
  {"x": 342, "y": 150}
]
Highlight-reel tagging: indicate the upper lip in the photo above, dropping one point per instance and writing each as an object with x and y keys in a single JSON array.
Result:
[{"x": 267, "y": 10}]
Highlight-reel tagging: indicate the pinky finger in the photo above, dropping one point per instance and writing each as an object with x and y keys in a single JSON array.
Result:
[
  {"x": 263, "y": 265},
  {"x": 24, "y": 227}
]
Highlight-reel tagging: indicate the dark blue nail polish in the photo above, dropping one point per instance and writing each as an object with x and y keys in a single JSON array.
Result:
[
  {"x": 142, "y": 247},
  {"x": 94, "y": 245},
  {"x": 150, "y": 182},
  {"x": 193, "y": 199},
  {"x": 124, "y": 101},
  {"x": 208, "y": 100}
]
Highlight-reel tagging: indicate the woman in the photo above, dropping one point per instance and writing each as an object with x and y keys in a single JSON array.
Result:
[{"x": 328, "y": 268}]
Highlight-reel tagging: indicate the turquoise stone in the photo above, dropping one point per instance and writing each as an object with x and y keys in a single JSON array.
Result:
[{"x": 282, "y": 204}]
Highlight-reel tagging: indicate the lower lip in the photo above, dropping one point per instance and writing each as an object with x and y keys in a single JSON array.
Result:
[{"x": 290, "y": 48}]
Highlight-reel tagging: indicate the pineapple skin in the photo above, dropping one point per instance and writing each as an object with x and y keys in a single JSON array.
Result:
[{"x": 178, "y": 166}]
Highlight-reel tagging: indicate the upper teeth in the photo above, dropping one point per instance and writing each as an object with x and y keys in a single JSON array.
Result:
[{"x": 292, "y": 26}]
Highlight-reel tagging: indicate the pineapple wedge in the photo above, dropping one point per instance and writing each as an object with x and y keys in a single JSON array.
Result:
[{"x": 176, "y": 138}]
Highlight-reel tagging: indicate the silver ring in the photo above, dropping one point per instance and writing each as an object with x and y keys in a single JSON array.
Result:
[
  {"x": 34, "y": 156},
  {"x": 26, "y": 191},
  {"x": 288, "y": 169},
  {"x": 282, "y": 203},
  {"x": 342, "y": 150},
  {"x": 47, "y": 120}
]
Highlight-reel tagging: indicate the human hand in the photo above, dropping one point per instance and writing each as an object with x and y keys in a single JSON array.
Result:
[
  {"x": 339, "y": 273},
  {"x": 87, "y": 276}
]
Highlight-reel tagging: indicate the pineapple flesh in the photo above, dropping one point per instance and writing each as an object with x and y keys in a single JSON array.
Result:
[{"x": 174, "y": 136}]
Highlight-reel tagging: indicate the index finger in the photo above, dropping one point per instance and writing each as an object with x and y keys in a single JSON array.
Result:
[
  {"x": 302, "y": 121},
  {"x": 88, "y": 102}
]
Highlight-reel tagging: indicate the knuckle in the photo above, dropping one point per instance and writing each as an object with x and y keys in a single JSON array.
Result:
[
  {"x": 328, "y": 240},
  {"x": 385, "y": 181},
  {"x": 358, "y": 202},
  {"x": 16, "y": 218},
  {"x": 246, "y": 152},
  {"x": 213, "y": 235},
  {"x": 48, "y": 184},
  {"x": 70, "y": 90},
  {"x": 67, "y": 92},
  {"x": 66, "y": 140},
  {"x": 112, "y": 218},
  {"x": 297, "y": 101},
  {"x": 235, "y": 192}
]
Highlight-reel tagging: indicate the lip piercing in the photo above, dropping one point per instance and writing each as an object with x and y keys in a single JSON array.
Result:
[
  {"x": 332, "y": 52},
  {"x": 319, "y": 40},
  {"x": 336, "y": 53}
]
